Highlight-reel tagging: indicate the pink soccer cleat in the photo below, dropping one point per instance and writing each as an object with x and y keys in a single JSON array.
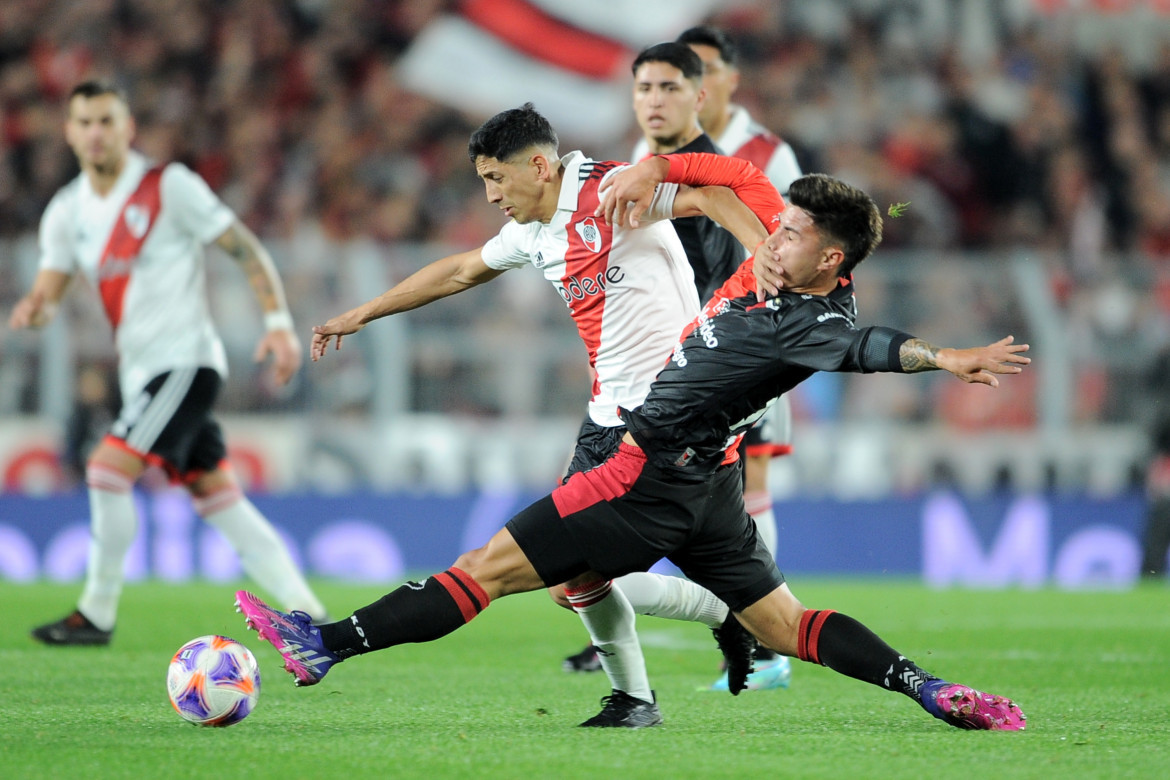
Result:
[
  {"x": 292, "y": 634},
  {"x": 967, "y": 708}
]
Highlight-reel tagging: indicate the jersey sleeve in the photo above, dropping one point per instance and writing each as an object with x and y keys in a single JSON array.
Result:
[
  {"x": 510, "y": 248},
  {"x": 198, "y": 210},
  {"x": 55, "y": 239},
  {"x": 747, "y": 181},
  {"x": 824, "y": 339}
]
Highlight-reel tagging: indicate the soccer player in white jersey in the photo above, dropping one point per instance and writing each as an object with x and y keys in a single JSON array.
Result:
[
  {"x": 630, "y": 292},
  {"x": 136, "y": 230}
]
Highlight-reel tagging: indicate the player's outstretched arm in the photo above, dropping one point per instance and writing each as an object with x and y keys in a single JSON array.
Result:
[
  {"x": 37, "y": 309},
  {"x": 721, "y": 205},
  {"x": 279, "y": 340},
  {"x": 452, "y": 274},
  {"x": 977, "y": 365}
]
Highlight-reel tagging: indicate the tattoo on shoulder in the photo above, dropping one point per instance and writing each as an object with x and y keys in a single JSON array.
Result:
[{"x": 918, "y": 355}]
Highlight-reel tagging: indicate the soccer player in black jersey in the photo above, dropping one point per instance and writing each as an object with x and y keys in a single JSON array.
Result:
[
  {"x": 673, "y": 489},
  {"x": 669, "y": 94}
]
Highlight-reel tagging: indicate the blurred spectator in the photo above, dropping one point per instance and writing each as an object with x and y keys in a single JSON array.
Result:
[
  {"x": 1007, "y": 126},
  {"x": 94, "y": 411},
  {"x": 1156, "y": 539}
]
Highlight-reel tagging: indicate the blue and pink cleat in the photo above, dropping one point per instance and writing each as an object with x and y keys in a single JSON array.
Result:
[
  {"x": 292, "y": 634},
  {"x": 967, "y": 708}
]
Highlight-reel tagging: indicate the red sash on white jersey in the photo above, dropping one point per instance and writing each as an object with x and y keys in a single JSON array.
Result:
[
  {"x": 586, "y": 264},
  {"x": 126, "y": 239}
]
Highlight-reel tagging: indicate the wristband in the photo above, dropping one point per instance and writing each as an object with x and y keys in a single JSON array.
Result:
[{"x": 280, "y": 319}]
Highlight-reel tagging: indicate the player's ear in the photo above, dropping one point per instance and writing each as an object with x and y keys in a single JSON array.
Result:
[
  {"x": 832, "y": 258},
  {"x": 541, "y": 165},
  {"x": 701, "y": 99}
]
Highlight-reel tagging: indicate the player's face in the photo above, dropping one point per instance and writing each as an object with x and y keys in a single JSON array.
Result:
[
  {"x": 807, "y": 262},
  {"x": 515, "y": 187},
  {"x": 666, "y": 104},
  {"x": 720, "y": 81},
  {"x": 99, "y": 129}
]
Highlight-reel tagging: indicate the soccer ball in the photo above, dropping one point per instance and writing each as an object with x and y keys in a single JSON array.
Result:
[{"x": 213, "y": 681}]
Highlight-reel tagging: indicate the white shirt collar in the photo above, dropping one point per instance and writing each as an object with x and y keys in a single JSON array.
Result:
[{"x": 570, "y": 180}]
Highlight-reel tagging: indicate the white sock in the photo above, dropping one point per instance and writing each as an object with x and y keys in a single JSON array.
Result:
[
  {"x": 262, "y": 552},
  {"x": 608, "y": 617},
  {"x": 671, "y": 597},
  {"x": 112, "y": 527},
  {"x": 759, "y": 506}
]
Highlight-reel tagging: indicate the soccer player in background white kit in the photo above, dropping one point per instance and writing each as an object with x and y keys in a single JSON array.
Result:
[{"x": 137, "y": 231}]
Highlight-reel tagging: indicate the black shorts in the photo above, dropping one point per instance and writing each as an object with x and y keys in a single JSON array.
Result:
[
  {"x": 625, "y": 515},
  {"x": 595, "y": 443},
  {"x": 170, "y": 425}
]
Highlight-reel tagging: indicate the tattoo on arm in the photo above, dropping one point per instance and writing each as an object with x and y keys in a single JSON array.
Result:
[
  {"x": 244, "y": 248},
  {"x": 917, "y": 355}
]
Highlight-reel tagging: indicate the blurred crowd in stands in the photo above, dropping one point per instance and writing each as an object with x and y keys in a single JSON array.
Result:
[{"x": 1022, "y": 140}]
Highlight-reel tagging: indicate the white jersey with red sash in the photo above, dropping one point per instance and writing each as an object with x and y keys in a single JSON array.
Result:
[
  {"x": 630, "y": 292},
  {"x": 141, "y": 245},
  {"x": 747, "y": 139}
]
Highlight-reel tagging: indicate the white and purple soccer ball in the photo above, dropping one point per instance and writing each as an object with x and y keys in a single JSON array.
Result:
[{"x": 213, "y": 681}]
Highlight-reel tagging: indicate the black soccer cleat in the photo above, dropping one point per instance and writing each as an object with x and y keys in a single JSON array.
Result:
[
  {"x": 73, "y": 629},
  {"x": 737, "y": 646},
  {"x": 585, "y": 661},
  {"x": 621, "y": 710},
  {"x": 762, "y": 653}
]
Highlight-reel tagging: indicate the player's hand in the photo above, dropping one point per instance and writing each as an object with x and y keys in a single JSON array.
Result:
[
  {"x": 628, "y": 193},
  {"x": 979, "y": 365},
  {"x": 30, "y": 312},
  {"x": 285, "y": 349},
  {"x": 766, "y": 268},
  {"x": 336, "y": 328}
]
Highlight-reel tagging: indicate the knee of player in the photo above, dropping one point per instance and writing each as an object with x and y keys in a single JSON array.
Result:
[
  {"x": 500, "y": 567},
  {"x": 205, "y": 484},
  {"x": 557, "y": 594},
  {"x": 481, "y": 565},
  {"x": 114, "y": 474}
]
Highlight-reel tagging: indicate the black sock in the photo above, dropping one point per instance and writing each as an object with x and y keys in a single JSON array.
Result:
[
  {"x": 846, "y": 646},
  {"x": 412, "y": 613}
]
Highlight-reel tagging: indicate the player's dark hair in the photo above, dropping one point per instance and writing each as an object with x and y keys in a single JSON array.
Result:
[
  {"x": 842, "y": 213},
  {"x": 98, "y": 87},
  {"x": 673, "y": 53},
  {"x": 705, "y": 35},
  {"x": 510, "y": 132}
]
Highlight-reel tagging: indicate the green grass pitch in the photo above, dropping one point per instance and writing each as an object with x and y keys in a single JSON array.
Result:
[{"x": 1091, "y": 670}]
